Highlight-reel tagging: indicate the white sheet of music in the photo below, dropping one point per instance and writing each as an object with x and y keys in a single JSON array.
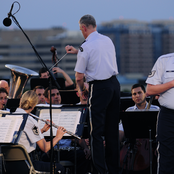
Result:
[
  {"x": 66, "y": 119},
  {"x": 19, "y": 119},
  {"x": 8, "y": 126}
]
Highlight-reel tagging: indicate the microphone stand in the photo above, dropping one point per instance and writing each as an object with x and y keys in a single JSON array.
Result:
[{"x": 51, "y": 78}]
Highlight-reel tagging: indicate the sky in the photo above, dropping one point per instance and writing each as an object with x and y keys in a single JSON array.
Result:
[{"x": 44, "y": 14}]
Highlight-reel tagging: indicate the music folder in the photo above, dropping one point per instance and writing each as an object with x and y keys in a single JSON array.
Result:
[
  {"x": 11, "y": 126},
  {"x": 137, "y": 124}
]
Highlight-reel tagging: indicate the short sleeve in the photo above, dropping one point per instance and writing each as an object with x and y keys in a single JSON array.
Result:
[
  {"x": 82, "y": 59},
  {"x": 32, "y": 130},
  {"x": 156, "y": 74}
]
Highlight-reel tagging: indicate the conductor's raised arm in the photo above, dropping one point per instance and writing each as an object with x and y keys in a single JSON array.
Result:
[{"x": 71, "y": 50}]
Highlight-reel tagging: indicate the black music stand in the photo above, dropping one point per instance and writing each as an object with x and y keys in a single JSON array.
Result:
[
  {"x": 126, "y": 102},
  {"x": 81, "y": 129},
  {"x": 69, "y": 97},
  {"x": 12, "y": 104},
  {"x": 140, "y": 124},
  {"x": 45, "y": 82}
]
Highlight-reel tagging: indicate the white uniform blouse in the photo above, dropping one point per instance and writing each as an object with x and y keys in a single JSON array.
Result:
[
  {"x": 31, "y": 133},
  {"x": 163, "y": 72},
  {"x": 96, "y": 58}
]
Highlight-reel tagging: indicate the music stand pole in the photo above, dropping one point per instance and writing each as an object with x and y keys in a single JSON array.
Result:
[
  {"x": 1, "y": 158},
  {"x": 150, "y": 151},
  {"x": 51, "y": 130},
  {"x": 75, "y": 156},
  {"x": 43, "y": 64}
]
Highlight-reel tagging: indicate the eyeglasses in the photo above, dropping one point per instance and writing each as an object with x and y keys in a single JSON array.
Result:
[{"x": 52, "y": 95}]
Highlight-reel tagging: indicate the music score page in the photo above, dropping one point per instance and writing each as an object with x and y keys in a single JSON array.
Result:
[
  {"x": 9, "y": 125},
  {"x": 66, "y": 119}
]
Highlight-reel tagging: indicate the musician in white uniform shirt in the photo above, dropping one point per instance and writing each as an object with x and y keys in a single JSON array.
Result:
[
  {"x": 139, "y": 97},
  {"x": 138, "y": 92},
  {"x": 161, "y": 81},
  {"x": 32, "y": 134}
]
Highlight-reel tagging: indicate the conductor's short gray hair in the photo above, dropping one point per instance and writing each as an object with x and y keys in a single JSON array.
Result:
[{"x": 88, "y": 20}]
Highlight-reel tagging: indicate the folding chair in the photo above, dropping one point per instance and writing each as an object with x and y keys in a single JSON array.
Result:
[{"x": 17, "y": 160}]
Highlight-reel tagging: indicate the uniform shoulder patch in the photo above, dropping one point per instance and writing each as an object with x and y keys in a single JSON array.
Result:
[
  {"x": 151, "y": 74},
  {"x": 35, "y": 130},
  {"x": 81, "y": 49}
]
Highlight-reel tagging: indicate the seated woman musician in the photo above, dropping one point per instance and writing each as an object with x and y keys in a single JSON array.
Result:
[{"x": 32, "y": 135}]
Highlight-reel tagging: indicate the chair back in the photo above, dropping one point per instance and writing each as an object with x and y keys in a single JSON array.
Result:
[{"x": 17, "y": 160}]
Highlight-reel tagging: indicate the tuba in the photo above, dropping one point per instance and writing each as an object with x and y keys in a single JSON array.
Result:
[{"x": 19, "y": 78}]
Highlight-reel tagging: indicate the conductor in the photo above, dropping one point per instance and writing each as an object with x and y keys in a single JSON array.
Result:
[{"x": 96, "y": 60}]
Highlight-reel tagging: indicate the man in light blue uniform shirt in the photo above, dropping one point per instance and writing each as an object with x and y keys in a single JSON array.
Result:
[
  {"x": 96, "y": 61},
  {"x": 161, "y": 81},
  {"x": 139, "y": 97},
  {"x": 138, "y": 92}
]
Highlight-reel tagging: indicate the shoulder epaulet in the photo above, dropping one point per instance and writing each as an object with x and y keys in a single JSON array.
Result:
[{"x": 81, "y": 49}]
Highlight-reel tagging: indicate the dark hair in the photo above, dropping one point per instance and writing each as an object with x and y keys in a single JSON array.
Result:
[
  {"x": 42, "y": 70},
  {"x": 3, "y": 90},
  {"x": 138, "y": 85},
  {"x": 47, "y": 89},
  {"x": 88, "y": 20},
  {"x": 38, "y": 87}
]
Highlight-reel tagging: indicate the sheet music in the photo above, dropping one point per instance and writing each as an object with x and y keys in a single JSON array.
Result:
[
  {"x": 19, "y": 119},
  {"x": 47, "y": 105},
  {"x": 66, "y": 119},
  {"x": 8, "y": 126}
]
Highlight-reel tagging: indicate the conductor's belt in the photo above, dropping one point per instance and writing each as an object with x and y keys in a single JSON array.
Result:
[{"x": 99, "y": 81}]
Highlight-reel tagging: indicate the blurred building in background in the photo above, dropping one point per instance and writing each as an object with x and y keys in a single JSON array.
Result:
[
  {"x": 15, "y": 49},
  {"x": 138, "y": 45}
]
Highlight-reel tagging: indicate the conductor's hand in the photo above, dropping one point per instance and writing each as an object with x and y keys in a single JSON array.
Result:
[
  {"x": 45, "y": 128},
  {"x": 60, "y": 132},
  {"x": 71, "y": 49},
  {"x": 84, "y": 93}
]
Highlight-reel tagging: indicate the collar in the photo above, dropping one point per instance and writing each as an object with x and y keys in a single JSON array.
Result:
[
  {"x": 135, "y": 107},
  {"x": 91, "y": 35}
]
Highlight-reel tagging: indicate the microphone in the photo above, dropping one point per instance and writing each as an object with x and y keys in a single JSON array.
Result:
[{"x": 7, "y": 21}]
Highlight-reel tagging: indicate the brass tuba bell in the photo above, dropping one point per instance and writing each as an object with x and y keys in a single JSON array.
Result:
[{"x": 19, "y": 78}]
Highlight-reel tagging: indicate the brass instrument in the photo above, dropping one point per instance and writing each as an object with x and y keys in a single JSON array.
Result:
[
  {"x": 54, "y": 125},
  {"x": 150, "y": 102},
  {"x": 18, "y": 80}
]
